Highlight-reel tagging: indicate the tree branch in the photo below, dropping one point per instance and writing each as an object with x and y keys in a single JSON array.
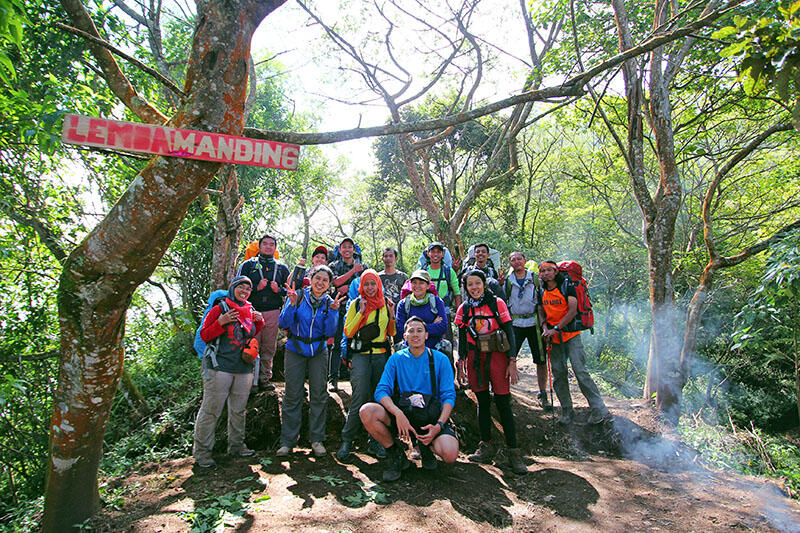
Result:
[
  {"x": 571, "y": 87},
  {"x": 105, "y": 44},
  {"x": 737, "y": 158},
  {"x": 758, "y": 247},
  {"x": 116, "y": 79},
  {"x": 52, "y": 354}
]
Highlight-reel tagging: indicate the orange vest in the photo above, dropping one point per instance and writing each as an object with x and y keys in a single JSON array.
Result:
[{"x": 555, "y": 309}]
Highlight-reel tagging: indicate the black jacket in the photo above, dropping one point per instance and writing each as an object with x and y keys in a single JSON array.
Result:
[{"x": 258, "y": 268}]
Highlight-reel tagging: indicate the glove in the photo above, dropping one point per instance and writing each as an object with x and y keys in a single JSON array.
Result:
[{"x": 250, "y": 352}]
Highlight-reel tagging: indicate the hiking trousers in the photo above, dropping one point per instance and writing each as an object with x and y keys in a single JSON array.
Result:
[
  {"x": 573, "y": 350},
  {"x": 295, "y": 367},
  {"x": 218, "y": 388},
  {"x": 365, "y": 373},
  {"x": 267, "y": 343}
]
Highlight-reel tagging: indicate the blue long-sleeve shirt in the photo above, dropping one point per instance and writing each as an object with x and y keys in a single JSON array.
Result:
[
  {"x": 435, "y": 331},
  {"x": 413, "y": 375}
]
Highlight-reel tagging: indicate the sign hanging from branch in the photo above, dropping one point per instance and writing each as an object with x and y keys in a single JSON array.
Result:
[{"x": 163, "y": 140}]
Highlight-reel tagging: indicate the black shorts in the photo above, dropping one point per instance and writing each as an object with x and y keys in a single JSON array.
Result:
[
  {"x": 446, "y": 430},
  {"x": 532, "y": 334}
]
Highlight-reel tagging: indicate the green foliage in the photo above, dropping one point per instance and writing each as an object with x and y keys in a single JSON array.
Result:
[
  {"x": 749, "y": 451},
  {"x": 366, "y": 494},
  {"x": 216, "y": 513},
  {"x": 27, "y": 369},
  {"x": 167, "y": 372},
  {"x": 24, "y": 518},
  {"x": 770, "y": 322},
  {"x": 12, "y": 17},
  {"x": 767, "y": 50}
]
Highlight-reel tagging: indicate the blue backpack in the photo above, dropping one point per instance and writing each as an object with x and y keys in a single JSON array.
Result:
[
  {"x": 337, "y": 255},
  {"x": 199, "y": 343}
]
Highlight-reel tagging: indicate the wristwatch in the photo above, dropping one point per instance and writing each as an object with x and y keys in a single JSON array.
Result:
[
  {"x": 556, "y": 328},
  {"x": 441, "y": 424}
]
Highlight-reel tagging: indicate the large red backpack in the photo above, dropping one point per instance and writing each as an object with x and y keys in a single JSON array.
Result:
[{"x": 573, "y": 277}]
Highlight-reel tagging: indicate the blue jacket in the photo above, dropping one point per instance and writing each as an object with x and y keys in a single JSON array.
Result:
[
  {"x": 413, "y": 375},
  {"x": 309, "y": 328},
  {"x": 435, "y": 331}
]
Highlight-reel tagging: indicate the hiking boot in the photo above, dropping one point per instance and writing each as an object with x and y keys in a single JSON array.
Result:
[
  {"x": 566, "y": 417},
  {"x": 518, "y": 466},
  {"x": 344, "y": 450},
  {"x": 429, "y": 461},
  {"x": 598, "y": 417},
  {"x": 484, "y": 454},
  {"x": 266, "y": 386},
  {"x": 208, "y": 462},
  {"x": 396, "y": 462},
  {"x": 319, "y": 449},
  {"x": 376, "y": 449},
  {"x": 544, "y": 402},
  {"x": 284, "y": 451},
  {"x": 242, "y": 452}
]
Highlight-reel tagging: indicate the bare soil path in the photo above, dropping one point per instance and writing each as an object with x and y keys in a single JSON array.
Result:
[{"x": 631, "y": 477}]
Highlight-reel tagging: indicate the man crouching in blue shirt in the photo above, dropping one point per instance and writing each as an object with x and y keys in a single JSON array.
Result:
[{"x": 416, "y": 395}]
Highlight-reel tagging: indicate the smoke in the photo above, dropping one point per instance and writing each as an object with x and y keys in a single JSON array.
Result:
[
  {"x": 654, "y": 450},
  {"x": 776, "y": 510}
]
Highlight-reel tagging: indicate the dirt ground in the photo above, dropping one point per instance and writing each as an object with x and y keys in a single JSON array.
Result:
[{"x": 629, "y": 476}]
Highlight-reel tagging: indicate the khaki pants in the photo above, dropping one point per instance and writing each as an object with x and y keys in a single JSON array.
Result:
[
  {"x": 267, "y": 343},
  {"x": 219, "y": 387}
]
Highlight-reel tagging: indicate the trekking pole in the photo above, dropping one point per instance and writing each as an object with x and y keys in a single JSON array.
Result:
[{"x": 550, "y": 379}]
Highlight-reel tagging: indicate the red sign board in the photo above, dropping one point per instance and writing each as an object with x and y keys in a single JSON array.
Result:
[{"x": 163, "y": 140}]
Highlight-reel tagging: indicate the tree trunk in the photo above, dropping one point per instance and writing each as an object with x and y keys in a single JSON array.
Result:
[
  {"x": 659, "y": 211},
  {"x": 122, "y": 251},
  {"x": 693, "y": 315},
  {"x": 650, "y": 378},
  {"x": 227, "y": 230}
]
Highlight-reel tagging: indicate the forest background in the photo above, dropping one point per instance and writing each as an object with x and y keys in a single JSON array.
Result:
[{"x": 670, "y": 174}]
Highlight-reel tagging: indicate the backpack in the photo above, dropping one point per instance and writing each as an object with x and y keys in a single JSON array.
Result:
[
  {"x": 213, "y": 347},
  {"x": 491, "y": 261},
  {"x": 469, "y": 314},
  {"x": 301, "y": 296},
  {"x": 252, "y": 251},
  {"x": 336, "y": 255},
  {"x": 424, "y": 260},
  {"x": 257, "y": 266},
  {"x": 431, "y": 409},
  {"x": 214, "y": 299},
  {"x": 573, "y": 277},
  {"x": 481, "y": 370},
  {"x": 510, "y": 281},
  {"x": 356, "y": 344},
  {"x": 406, "y": 302},
  {"x": 405, "y": 290},
  {"x": 444, "y": 275},
  {"x": 489, "y": 266}
]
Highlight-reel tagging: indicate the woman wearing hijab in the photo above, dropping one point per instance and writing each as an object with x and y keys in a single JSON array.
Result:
[
  {"x": 311, "y": 317},
  {"x": 480, "y": 319},
  {"x": 370, "y": 327},
  {"x": 230, "y": 328}
]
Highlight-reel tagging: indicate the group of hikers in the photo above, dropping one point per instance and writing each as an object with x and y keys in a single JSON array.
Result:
[{"x": 393, "y": 332}]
